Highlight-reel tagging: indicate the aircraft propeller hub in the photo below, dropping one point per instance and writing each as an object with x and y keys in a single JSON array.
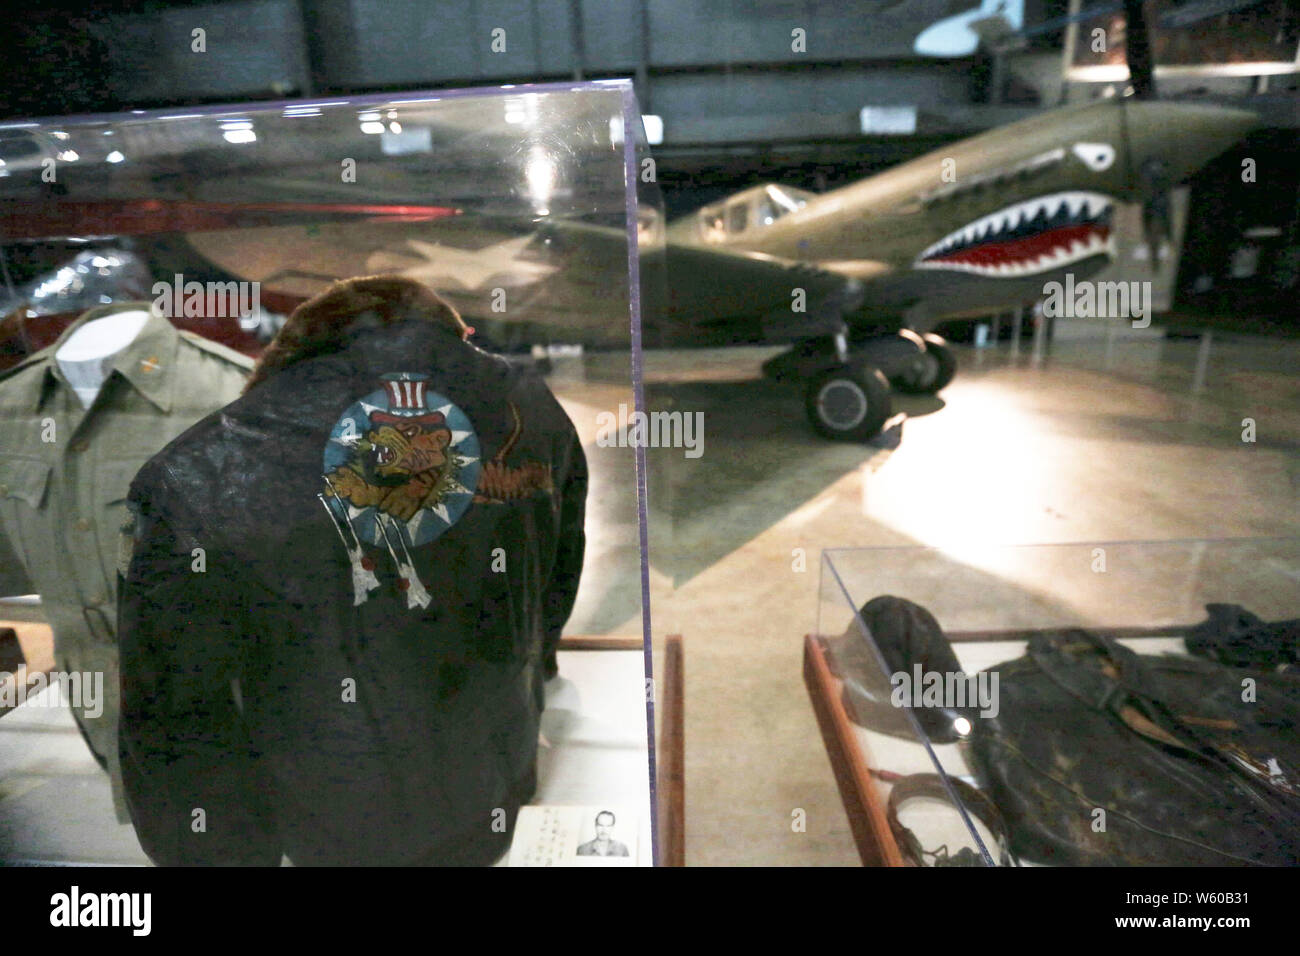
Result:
[{"x": 1028, "y": 238}]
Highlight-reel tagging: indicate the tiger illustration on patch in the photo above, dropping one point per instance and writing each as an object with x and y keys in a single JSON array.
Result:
[{"x": 402, "y": 465}]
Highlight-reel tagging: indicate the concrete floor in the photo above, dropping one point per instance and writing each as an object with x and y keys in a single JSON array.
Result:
[{"x": 1099, "y": 442}]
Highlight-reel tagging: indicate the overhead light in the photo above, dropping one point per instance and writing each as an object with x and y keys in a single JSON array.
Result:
[
  {"x": 654, "y": 128},
  {"x": 402, "y": 142},
  {"x": 313, "y": 107},
  {"x": 69, "y": 155},
  {"x": 652, "y": 124},
  {"x": 114, "y": 157},
  {"x": 540, "y": 174},
  {"x": 521, "y": 109},
  {"x": 887, "y": 120},
  {"x": 238, "y": 131},
  {"x": 372, "y": 127}
]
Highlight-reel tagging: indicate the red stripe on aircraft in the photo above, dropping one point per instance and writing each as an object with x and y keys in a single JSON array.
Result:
[{"x": 56, "y": 219}]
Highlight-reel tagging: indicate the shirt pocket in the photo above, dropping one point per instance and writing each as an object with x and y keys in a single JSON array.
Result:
[
  {"x": 24, "y": 479},
  {"x": 23, "y": 485}
]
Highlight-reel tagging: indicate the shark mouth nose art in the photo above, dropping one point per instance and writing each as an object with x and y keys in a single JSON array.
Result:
[{"x": 1027, "y": 238}]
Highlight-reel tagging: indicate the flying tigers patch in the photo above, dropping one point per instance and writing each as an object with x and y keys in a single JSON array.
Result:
[{"x": 401, "y": 467}]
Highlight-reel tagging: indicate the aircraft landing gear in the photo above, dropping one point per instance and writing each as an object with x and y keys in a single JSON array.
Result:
[
  {"x": 847, "y": 383},
  {"x": 846, "y": 397},
  {"x": 848, "y": 402},
  {"x": 927, "y": 371}
]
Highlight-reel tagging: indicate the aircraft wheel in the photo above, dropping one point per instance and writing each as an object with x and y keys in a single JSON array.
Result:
[
  {"x": 930, "y": 371},
  {"x": 848, "y": 402}
]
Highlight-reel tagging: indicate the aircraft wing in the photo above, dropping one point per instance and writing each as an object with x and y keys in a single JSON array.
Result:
[{"x": 524, "y": 282}]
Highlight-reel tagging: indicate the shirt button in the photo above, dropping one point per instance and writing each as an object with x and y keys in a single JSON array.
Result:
[
  {"x": 80, "y": 445},
  {"x": 82, "y": 524}
]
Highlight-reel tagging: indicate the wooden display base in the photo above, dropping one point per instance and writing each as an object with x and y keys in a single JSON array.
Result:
[
  {"x": 670, "y": 753},
  {"x": 671, "y": 717},
  {"x": 866, "y": 811},
  {"x": 36, "y": 643}
]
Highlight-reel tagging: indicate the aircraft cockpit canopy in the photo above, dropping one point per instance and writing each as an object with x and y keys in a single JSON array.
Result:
[{"x": 752, "y": 209}]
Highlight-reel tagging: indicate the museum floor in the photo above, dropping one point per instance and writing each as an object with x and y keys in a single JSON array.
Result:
[{"x": 1096, "y": 443}]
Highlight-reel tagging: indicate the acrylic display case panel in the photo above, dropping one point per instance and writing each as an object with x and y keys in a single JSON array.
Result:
[
  {"x": 989, "y": 602},
  {"x": 520, "y": 205}
]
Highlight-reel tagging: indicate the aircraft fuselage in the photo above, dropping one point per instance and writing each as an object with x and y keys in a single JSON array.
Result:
[{"x": 987, "y": 221}]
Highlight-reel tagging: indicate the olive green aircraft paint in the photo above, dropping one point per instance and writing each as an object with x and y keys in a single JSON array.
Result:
[
  {"x": 984, "y": 222},
  {"x": 889, "y": 251}
]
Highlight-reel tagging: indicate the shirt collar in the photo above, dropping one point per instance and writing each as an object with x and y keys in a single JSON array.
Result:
[{"x": 146, "y": 362}]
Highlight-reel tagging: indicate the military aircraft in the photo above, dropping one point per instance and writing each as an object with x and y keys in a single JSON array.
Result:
[
  {"x": 853, "y": 279},
  {"x": 977, "y": 226}
]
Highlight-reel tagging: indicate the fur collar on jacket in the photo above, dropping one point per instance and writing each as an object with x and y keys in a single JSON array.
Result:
[{"x": 321, "y": 324}]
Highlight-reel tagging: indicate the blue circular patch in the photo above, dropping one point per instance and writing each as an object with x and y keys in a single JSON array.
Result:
[{"x": 402, "y": 462}]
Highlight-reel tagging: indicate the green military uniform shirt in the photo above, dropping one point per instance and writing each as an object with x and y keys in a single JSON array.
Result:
[{"x": 64, "y": 475}]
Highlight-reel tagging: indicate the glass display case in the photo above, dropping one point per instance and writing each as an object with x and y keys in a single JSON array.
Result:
[
  {"x": 940, "y": 763},
  {"x": 522, "y": 206}
]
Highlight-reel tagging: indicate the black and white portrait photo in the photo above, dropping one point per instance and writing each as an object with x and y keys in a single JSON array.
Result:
[{"x": 604, "y": 843}]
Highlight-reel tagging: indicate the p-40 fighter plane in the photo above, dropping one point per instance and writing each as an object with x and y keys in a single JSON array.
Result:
[{"x": 980, "y": 225}]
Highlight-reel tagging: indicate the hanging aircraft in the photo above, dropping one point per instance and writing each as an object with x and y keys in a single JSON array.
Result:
[{"x": 967, "y": 28}]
